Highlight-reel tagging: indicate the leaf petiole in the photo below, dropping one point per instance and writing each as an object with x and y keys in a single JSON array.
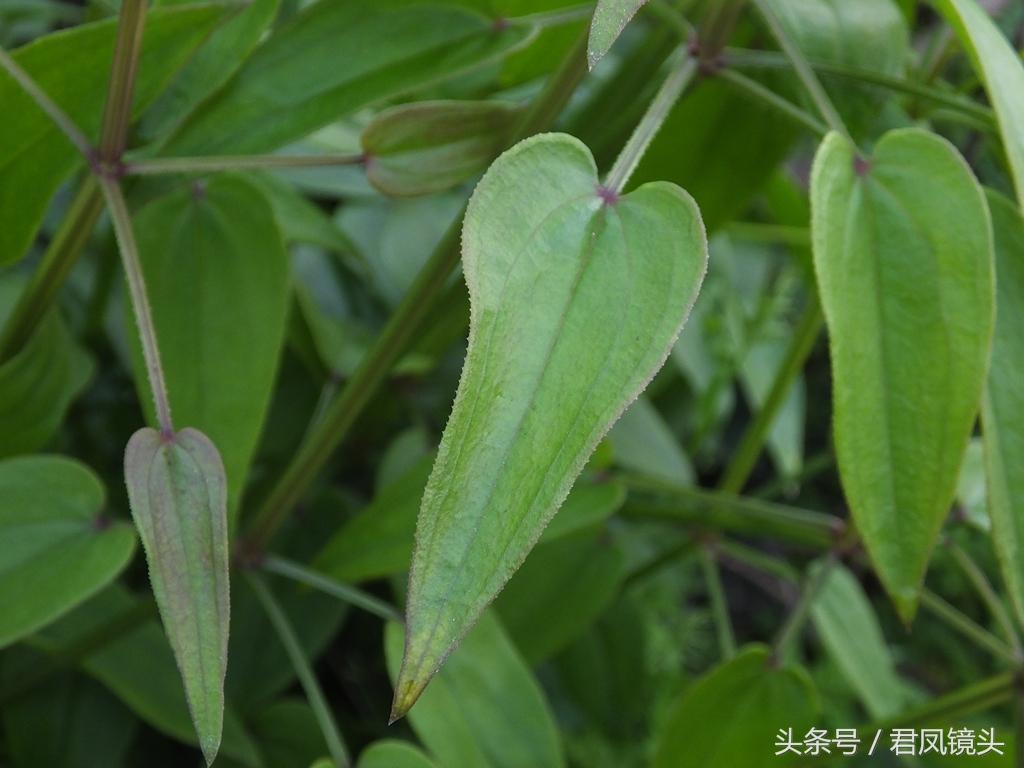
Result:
[
  {"x": 678, "y": 79},
  {"x": 140, "y": 303}
]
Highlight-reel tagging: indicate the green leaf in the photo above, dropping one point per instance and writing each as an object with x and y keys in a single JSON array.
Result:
[
  {"x": 178, "y": 497},
  {"x": 732, "y": 715},
  {"x": 565, "y": 287},
  {"x": 293, "y": 84},
  {"x": 214, "y": 62},
  {"x": 393, "y": 754},
  {"x": 610, "y": 18},
  {"x": 485, "y": 710},
  {"x": 217, "y": 277},
  {"x": 1000, "y": 67},
  {"x": 559, "y": 591},
  {"x": 137, "y": 665},
  {"x": 288, "y": 734},
  {"x": 431, "y": 146},
  {"x": 903, "y": 255},
  {"x": 1002, "y": 414},
  {"x": 38, "y": 384},
  {"x": 643, "y": 442},
  {"x": 72, "y": 722},
  {"x": 59, "y": 545},
  {"x": 848, "y": 628},
  {"x": 35, "y": 157}
]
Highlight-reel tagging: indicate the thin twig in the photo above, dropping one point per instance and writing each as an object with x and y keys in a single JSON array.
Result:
[
  {"x": 719, "y": 603},
  {"x": 346, "y": 592},
  {"x": 798, "y": 616},
  {"x": 666, "y": 97},
  {"x": 967, "y": 627},
  {"x": 292, "y": 646},
  {"x": 140, "y": 302},
  {"x": 48, "y": 105},
  {"x": 745, "y": 456},
  {"x": 168, "y": 165},
  {"x": 988, "y": 595},
  {"x": 803, "y": 70},
  {"x": 751, "y": 87},
  {"x": 53, "y": 269}
]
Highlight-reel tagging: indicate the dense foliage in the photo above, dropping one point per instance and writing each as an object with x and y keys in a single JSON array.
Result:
[{"x": 600, "y": 385}]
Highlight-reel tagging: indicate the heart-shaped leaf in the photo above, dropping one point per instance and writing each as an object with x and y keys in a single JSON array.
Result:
[
  {"x": 903, "y": 255},
  {"x": 431, "y": 146},
  {"x": 178, "y": 496},
  {"x": 1000, "y": 68},
  {"x": 577, "y": 296},
  {"x": 59, "y": 547}
]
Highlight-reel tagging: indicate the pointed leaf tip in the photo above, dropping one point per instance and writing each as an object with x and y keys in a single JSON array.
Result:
[
  {"x": 563, "y": 289},
  {"x": 177, "y": 492}
]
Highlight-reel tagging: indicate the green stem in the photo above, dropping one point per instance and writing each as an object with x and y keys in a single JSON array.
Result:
[
  {"x": 978, "y": 697},
  {"x": 545, "y": 109},
  {"x": 988, "y": 595},
  {"x": 798, "y": 616},
  {"x": 346, "y": 592},
  {"x": 666, "y": 97},
  {"x": 400, "y": 330},
  {"x": 45, "y": 103},
  {"x": 717, "y": 27},
  {"x": 140, "y": 303},
  {"x": 966, "y": 627},
  {"x": 746, "y": 454},
  {"x": 725, "y": 512},
  {"x": 545, "y": 19},
  {"x": 164, "y": 165},
  {"x": 741, "y": 58},
  {"x": 118, "y": 111},
  {"x": 758, "y": 92},
  {"x": 53, "y": 269},
  {"x": 292, "y": 646},
  {"x": 803, "y": 70},
  {"x": 719, "y": 603}
]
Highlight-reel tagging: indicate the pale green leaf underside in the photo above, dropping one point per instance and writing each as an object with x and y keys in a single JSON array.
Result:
[
  {"x": 1003, "y": 408},
  {"x": 903, "y": 255},
  {"x": 730, "y": 716},
  {"x": 178, "y": 497},
  {"x": 574, "y": 306},
  {"x": 1000, "y": 67},
  {"x": 610, "y": 18},
  {"x": 58, "y": 547}
]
